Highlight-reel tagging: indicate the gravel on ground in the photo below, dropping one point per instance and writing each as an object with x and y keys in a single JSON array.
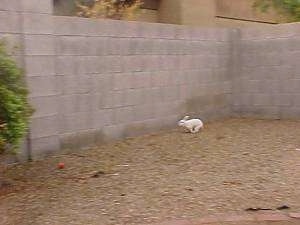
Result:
[{"x": 230, "y": 166}]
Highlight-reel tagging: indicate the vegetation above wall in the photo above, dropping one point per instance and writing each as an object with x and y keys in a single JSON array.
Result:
[
  {"x": 289, "y": 8},
  {"x": 113, "y": 9}
]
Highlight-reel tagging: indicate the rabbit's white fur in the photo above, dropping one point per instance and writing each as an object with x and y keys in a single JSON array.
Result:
[{"x": 193, "y": 125}]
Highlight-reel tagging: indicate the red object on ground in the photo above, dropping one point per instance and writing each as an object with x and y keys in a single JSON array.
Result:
[{"x": 60, "y": 165}]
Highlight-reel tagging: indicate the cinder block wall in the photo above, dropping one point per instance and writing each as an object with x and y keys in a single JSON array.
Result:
[
  {"x": 267, "y": 77},
  {"x": 92, "y": 81},
  {"x": 121, "y": 79}
]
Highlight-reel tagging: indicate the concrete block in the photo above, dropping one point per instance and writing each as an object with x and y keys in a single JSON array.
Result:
[
  {"x": 95, "y": 65},
  {"x": 10, "y": 22},
  {"x": 132, "y": 63},
  {"x": 292, "y": 58},
  {"x": 270, "y": 86},
  {"x": 42, "y": 86},
  {"x": 124, "y": 115},
  {"x": 171, "y": 93},
  {"x": 167, "y": 63},
  {"x": 160, "y": 110},
  {"x": 78, "y": 84},
  {"x": 252, "y": 86},
  {"x": 123, "y": 81},
  {"x": 262, "y": 99},
  {"x": 37, "y": 6},
  {"x": 75, "y": 122},
  {"x": 39, "y": 45},
  {"x": 113, "y": 46},
  {"x": 226, "y": 87},
  {"x": 114, "y": 64},
  {"x": 107, "y": 100},
  {"x": 97, "y": 100},
  {"x": 65, "y": 65},
  {"x": 243, "y": 99},
  {"x": 272, "y": 59},
  {"x": 160, "y": 79},
  {"x": 125, "y": 46},
  {"x": 166, "y": 109},
  {"x": 133, "y": 46},
  {"x": 143, "y": 112},
  {"x": 133, "y": 97},
  {"x": 173, "y": 47},
  {"x": 155, "y": 94},
  {"x": 282, "y": 99},
  {"x": 141, "y": 79},
  {"x": 97, "y": 46},
  {"x": 177, "y": 78},
  {"x": 44, "y": 126},
  {"x": 71, "y": 45},
  {"x": 117, "y": 98},
  {"x": 102, "y": 118},
  {"x": 296, "y": 99},
  {"x": 75, "y": 103},
  {"x": 81, "y": 65},
  {"x": 151, "y": 63},
  {"x": 102, "y": 82},
  {"x": 183, "y": 92},
  {"x": 40, "y": 65},
  {"x": 286, "y": 86},
  {"x": 140, "y": 47},
  {"x": 37, "y": 23},
  {"x": 10, "y": 5},
  {"x": 44, "y": 106},
  {"x": 293, "y": 43},
  {"x": 194, "y": 76},
  {"x": 45, "y": 146},
  {"x": 290, "y": 86}
]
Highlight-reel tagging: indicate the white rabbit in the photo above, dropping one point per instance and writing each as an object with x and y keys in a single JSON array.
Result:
[{"x": 193, "y": 125}]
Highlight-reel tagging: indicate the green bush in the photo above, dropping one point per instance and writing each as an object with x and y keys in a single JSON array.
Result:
[{"x": 14, "y": 107}]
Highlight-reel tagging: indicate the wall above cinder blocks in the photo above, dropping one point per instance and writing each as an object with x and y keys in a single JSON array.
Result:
[{"x": 93, "y": 81}]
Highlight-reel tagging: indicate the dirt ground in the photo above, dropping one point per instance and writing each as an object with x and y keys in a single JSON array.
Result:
[{"x": 230, "y": 166}]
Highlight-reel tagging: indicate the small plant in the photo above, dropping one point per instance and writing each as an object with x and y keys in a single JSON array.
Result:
[
  {"x": 113, "y": 9},
  {"x": 14, "y": 107}
]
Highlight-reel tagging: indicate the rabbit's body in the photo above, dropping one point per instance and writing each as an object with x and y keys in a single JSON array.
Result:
[{"x": 192, "y": 125}]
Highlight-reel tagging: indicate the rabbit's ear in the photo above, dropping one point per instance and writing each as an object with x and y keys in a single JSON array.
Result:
[{"x": 186, "y": 118}]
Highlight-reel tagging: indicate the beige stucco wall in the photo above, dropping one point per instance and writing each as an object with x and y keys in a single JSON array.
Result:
[
  {"x": 226, "y": 13},
  {"x": 147, "y": 15},
  {"x": 198, "y": 12},
  {"x": 170, "y": 11}
]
